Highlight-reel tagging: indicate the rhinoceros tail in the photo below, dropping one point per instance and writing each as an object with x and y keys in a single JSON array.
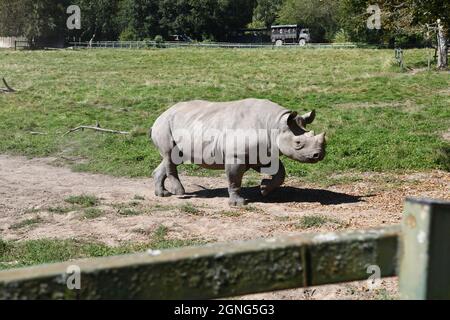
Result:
[{"x": 150, "y": 134}]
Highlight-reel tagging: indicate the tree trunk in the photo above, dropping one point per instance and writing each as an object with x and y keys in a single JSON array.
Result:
[{"x": 442, "y": 47}]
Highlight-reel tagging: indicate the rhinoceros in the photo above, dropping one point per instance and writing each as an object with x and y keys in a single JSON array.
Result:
[{"x": 235, "y": 136}]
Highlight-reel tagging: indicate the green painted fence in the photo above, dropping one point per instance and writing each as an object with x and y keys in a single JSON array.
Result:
[{"x": 419, "y": 249}]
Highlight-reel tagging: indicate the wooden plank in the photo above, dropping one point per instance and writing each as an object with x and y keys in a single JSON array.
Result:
[
  {"x": 214, "y": 271},
  {"x": 425, "y": 250}
]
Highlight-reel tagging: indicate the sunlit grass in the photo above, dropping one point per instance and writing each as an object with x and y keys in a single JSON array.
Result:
[{"x": 376, "y": 118}]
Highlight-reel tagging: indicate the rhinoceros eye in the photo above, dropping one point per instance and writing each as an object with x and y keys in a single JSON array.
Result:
[{"x": 299, "y": 145}]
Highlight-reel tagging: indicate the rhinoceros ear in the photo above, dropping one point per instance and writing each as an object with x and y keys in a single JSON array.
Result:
[{"x": 292, "y": 118}]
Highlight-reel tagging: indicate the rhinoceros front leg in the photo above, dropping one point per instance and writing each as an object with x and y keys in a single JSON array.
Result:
[
  {"x": 235, "y": 172},
  {"x": 268, "y": 185}
]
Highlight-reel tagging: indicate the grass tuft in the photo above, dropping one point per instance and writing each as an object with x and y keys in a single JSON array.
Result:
[
  {"x": 16, "y": 254},
  {"x": 26, "y": 223},
  {"x": 161, "y": 241},
  {"x": 83, "y": 200},
  {"x": 92, "y": 213},
  {"x": 190, "y": 209},
  {"x": 60, "y": 210},
  {"x": 230, "y": 213},
  {"x": 316, "y": 221},
  {"x": 129, "y": 212}
]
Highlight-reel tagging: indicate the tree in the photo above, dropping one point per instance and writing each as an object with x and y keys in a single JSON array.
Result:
[
  {"x": 204, "y": 19},
  {"x": 442, "y": 43},
  {"x": 12, "y": 17},
  {"x": 99, "y": 18},
  {"x": 434, "y": 13},
  {"x": 233, "y": 15},
  {"x": 37, "y": 20},
  {"x": 140, "y": 17},
  {"x": 403, "y": 22},
  {"x": 416, "y": 17},
  {"x": 265, "y": 13},
  {"x": 353, "y": 17},
  {"x": 320, "y": 16},
  {"x": 174, "y": 17}
]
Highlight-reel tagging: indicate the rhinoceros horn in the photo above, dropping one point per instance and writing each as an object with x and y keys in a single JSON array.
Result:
[
  {"x": 321, "y": 138},
  {"x": 310, "y": 134}
]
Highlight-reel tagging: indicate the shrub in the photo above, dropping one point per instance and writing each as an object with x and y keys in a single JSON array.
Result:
[
  {"x": 83, "y": 200},
  {"x": 129, "y": 34},
  {"x": 341, "y": 37},
  {"x": 159, "y": 41}
]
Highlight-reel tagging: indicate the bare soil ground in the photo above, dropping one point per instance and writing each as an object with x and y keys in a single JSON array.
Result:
[{"x": 31, "y": 188}]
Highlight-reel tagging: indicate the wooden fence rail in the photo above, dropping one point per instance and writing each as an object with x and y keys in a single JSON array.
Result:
[{"x": 422, "y": 245}]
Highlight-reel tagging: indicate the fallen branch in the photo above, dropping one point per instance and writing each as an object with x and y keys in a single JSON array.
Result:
[
  {"x": 96, "y": 128},
  {"x": 8, "y": 88},
  {"x": 36, "y": 133}
]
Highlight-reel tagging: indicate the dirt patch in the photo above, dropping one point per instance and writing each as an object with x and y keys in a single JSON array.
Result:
[
  {"x": 34, "y": 190},
  {"x": 446, "y": 135},
  {"x": 444, "y": 92},
  {"x": 387, "y": 290}
]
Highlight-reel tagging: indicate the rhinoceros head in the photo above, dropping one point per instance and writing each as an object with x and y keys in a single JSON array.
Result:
[{"x": 296, "y": 142}]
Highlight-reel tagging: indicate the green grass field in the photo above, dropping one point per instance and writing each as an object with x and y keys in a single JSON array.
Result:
[
  {"x": 17, "y": 254},
  {"x": 377, "y": 118}
]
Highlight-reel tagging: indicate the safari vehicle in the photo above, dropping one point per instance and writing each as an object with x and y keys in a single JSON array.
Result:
[
  {"x": 292, "y": 33},
  {"x": 180, "y": 38}
]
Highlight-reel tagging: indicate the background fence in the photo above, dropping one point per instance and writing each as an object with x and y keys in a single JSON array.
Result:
[
  {"x": 419, "y": 251},
  {"x": 176, "y": 44},
  {"x": 10, "y": 42}
]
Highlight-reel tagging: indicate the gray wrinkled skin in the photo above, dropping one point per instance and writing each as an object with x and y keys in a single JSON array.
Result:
[{"x": 171, "y": 130}]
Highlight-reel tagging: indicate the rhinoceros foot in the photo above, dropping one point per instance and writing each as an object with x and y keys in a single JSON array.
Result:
[
  {"x": 163, "y": 193},
  {"x": 236, "y": 201}
]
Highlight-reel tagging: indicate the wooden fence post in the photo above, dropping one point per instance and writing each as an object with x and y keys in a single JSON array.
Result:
[{"x": 425, "y": 250}]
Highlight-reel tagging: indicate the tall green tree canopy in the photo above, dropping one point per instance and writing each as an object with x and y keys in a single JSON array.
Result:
[
  {"x": 99, "y": 18},
  {"x": 205, "y": 19},
  {"x": 403, "y": 21},
  {"x": 320, "y": 16},
  {"x": 265, "y": 13},
  {"x": 34, "y": 19}
]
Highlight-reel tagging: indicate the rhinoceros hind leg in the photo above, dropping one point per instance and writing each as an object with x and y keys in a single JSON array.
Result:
[
  {"x": 160, "y": 177},
  {"x": 235, "y": 172},
  {"x": 269, "y": 185},
  {"x": 172, "y": 174}
]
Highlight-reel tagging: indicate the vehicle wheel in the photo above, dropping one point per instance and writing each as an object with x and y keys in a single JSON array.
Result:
[
  {"x": 278, "y": 43},
  {"x": 302, "y": 42}
]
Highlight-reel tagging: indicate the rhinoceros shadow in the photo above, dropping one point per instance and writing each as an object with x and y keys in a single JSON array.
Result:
[{"x": 282, "y": 195}]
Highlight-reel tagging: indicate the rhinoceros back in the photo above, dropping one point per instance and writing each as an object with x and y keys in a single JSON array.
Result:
[
  {"x": 193, "y": 118},
  {"x": 242, "y": 114}
]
